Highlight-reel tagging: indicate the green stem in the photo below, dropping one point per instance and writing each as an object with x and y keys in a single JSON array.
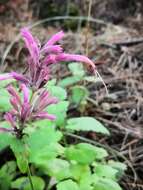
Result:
[{"x": 29, "y": 176}]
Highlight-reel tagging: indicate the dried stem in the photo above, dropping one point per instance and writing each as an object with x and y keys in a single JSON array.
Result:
[{"x": 88, "y": 27}]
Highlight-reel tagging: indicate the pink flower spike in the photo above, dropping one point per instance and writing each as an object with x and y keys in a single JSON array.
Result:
[
  {"x": 9, "y": 118},
  {"x": 55, "y": 49},
  {"x": 44, "y": 115},
  {"x": 14, "y": 104},
  {"x": 43, "y": 76},
  {"x": 43, "y": 94},
  {"x": 46, "y": 102},
  {"x": 25, "y": 112},
  {"x": 5, "y": 76},
  {"x": 14, "y": 94},
  {"x": 25, "y": 93},
  {"x": 55, "y": 38},
  {"x": 31, "y": 44},
  {"x": 74, "y": 57},
  {"x": 20, "y": 78},
  {"x": 51, "y": 59}
]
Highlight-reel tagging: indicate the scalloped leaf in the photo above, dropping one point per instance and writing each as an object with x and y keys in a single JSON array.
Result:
[
  {"x": 86, "y": 124},
  {"x": 67, "y": 185},
  {"x": 85, "y": 153},
  {"x": 106, "y": 184},
  {"x": 5, "y": 137},
  {"x": 23, "y": 183}
]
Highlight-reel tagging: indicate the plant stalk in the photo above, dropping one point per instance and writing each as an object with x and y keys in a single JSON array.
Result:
[{"x": 29, "y": 177}]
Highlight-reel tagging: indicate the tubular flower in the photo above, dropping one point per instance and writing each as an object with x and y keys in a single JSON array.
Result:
[
  {"x": 40, "y": 57},
  {"x": 31, "y": 44}
]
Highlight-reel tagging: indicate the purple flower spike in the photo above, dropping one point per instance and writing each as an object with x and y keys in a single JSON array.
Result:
[
  {"x": 44, "y": 115},
  {"x": 19, "y": 77},
  {"x": 25, "y": 112},
  {"x": 41, "y": 58},
  {"x": 9, "y": 118},
  {"x": 54, "y": 49},
  {"x": 31, "y": 44},
  {"x": 14, "y": 94},
  {"x": 55, "y": 38},
  {"x": 25, "y": 93},
  {"x": 13, "y": 102},
  {"x": 20, "y": 108},
  {"x": 51, "y": 59},
  {"x": 43, "y": 77},
  {"x": 44, "y": 100},
  {"x": 74, "y": 57},
  {"x": 28, "y": 108}
]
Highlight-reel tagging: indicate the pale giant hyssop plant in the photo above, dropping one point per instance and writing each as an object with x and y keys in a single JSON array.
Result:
[{"x": 35, "y": 126}]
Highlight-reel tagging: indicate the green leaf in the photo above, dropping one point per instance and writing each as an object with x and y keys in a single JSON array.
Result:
[
  {"x": 106, "y": 171},
  {"x": 5, "y": 137},
  {"x": 85, "y": 182},
  {"x": 100, "y": 153},
  {"x": 8, "y": 169},
  {"x": 45, "y": 153},
  {"x": 83, "y": 153},
  {"x": 106, "y": 184},
  {"x": 4, "y": 83},
  {"x": 7, "y": 173},
  {"x": 67, "y": 185},
  {"x": 117, "y": 165},
  {"x": 4, "y": 100},
  {"x": 5, "y": 182},
  {"x": 58, "y": 92},
  {"x": 60, "y": 111},
  {"x": 42, "y": 123},
  {"x": 86, "y": 124},
  {"x": 43, "y": 136},
  {"x": 80, "y": 172},
  {"x": 94, "y": 178},
  {"x": 23, "y": 183},
  {"x": 51, "y": 82},
  {"x": 58, "y": 168},
  {"x": 43, "y": 144},
  {"x": 77, "y": 72},
  {"x": 20, "y": 151},
  {"x": 120, "y": 167},
  {"x": 79, "y": 155},
  {"x": 76, "y": 69},
  {"x": 68, "y": 81},
  {"x": 79, "y": 94},
  {"x": 85, "y": 186}
]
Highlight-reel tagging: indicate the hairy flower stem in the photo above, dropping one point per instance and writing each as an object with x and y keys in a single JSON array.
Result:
[{"x": 30, "y": 177}]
